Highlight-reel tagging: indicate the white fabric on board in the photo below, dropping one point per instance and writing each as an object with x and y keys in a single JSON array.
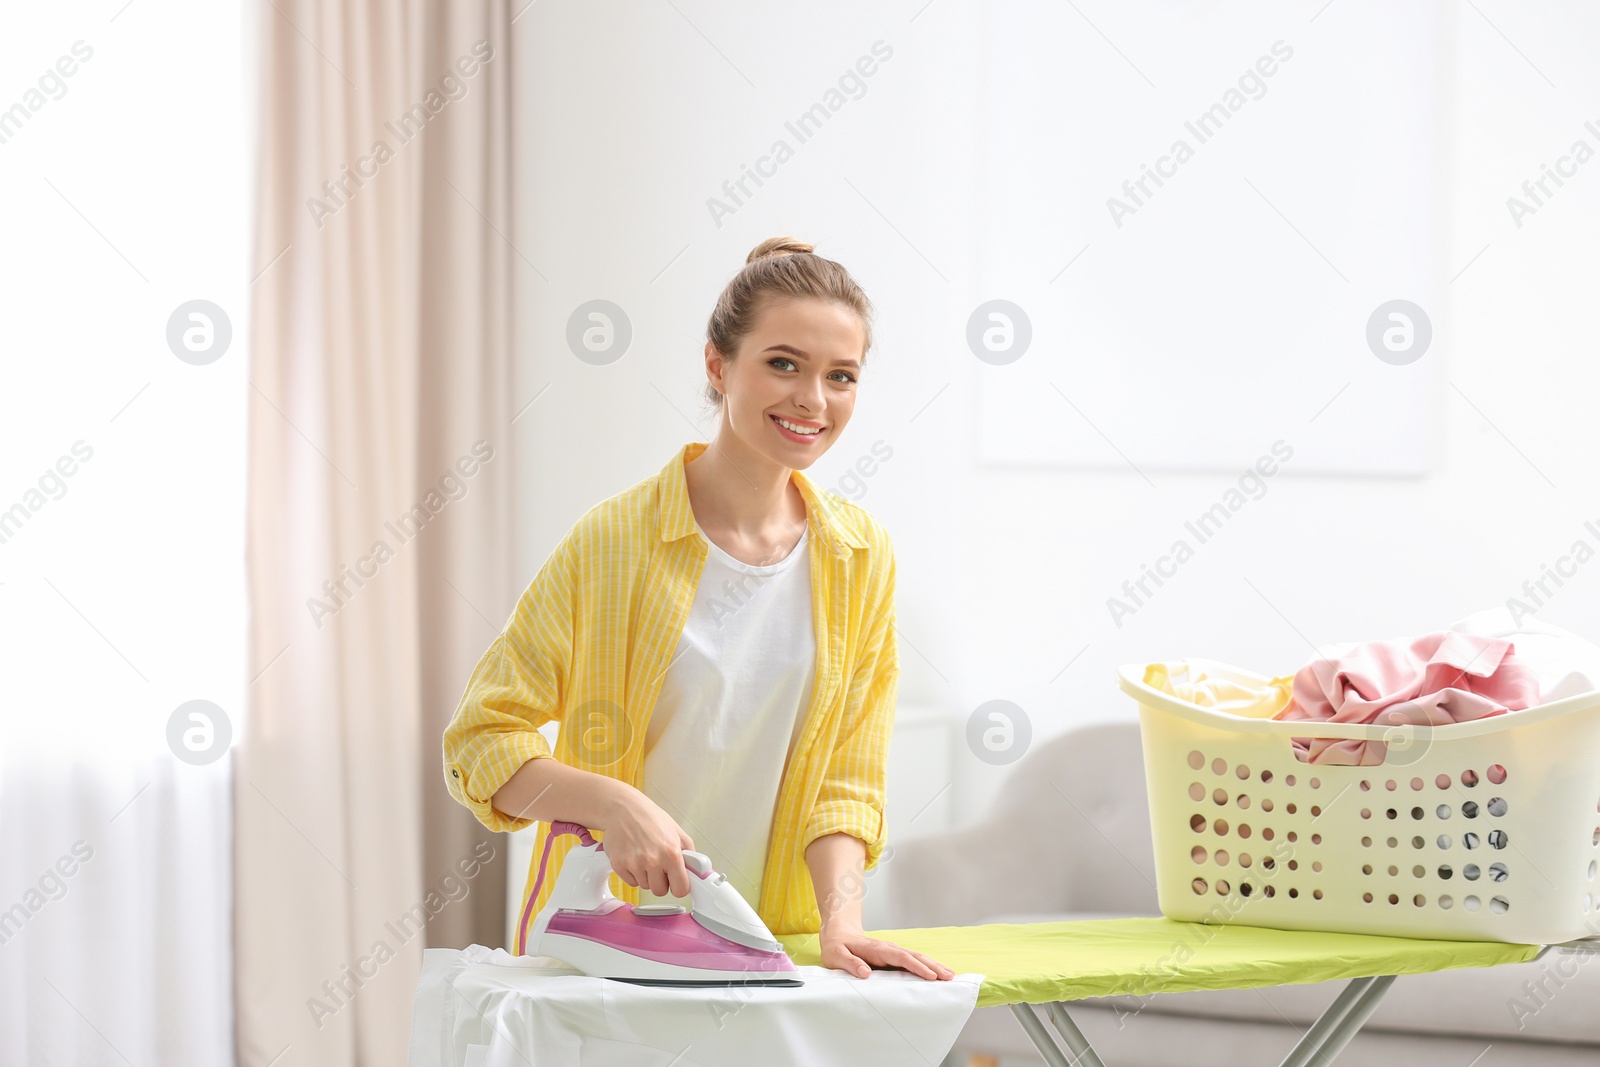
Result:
[{"x": 486, "y": 1008}]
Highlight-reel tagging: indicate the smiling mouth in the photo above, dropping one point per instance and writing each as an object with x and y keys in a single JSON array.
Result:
[{"x": 794, "y": 429}]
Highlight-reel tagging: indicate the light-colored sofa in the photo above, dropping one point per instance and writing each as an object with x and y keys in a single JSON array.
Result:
[{"x": 1069, "y": 838}]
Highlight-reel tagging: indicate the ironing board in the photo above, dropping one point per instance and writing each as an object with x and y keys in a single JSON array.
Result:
[{"x": 1051, "y": 964}]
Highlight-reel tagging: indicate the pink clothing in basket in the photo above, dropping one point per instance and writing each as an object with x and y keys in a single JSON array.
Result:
[{"x": 1433, "y": 680}]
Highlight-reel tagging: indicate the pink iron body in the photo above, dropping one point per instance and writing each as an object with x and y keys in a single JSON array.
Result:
[{"x": 720, "y": 942}]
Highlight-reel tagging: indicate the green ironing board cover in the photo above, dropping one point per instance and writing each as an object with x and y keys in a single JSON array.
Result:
[{"x": 1035, "y": 963}]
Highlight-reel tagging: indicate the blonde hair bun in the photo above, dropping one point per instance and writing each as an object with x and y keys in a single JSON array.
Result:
[{"x": 778, "y": 246}]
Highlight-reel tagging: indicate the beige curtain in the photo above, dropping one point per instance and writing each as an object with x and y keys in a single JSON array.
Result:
[{"x": 379, "y": 511}]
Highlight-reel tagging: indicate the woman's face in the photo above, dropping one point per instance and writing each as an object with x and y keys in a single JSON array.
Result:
[{"x": 800, "y": 364}]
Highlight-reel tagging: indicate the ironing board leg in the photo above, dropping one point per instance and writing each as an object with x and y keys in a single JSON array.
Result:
[
  {"x": 1040, "y": 1036},
  {"x": 1082, "y": 1051},
  {"x": 1338, "y": 1024},
  {"x": 1313, "y": 1038},
  {"x": 1316, "y": 1048}
]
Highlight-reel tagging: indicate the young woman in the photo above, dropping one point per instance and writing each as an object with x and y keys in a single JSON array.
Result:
[{"x": 717, "y": 642}]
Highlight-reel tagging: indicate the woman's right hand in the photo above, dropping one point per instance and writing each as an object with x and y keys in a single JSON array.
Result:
[{"x": 646, "y": 846}]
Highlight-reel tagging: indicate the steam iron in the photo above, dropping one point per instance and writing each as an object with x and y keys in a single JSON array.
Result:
[{"x": 721, "y": 942}]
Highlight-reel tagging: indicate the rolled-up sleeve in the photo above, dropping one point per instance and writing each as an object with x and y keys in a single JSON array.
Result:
[
  {"x": 516, "y": 688},
  {"x": 851, "y": 797}
]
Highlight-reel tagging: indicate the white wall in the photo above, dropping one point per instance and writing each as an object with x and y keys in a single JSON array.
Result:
[{"x": 630, "y": 122}]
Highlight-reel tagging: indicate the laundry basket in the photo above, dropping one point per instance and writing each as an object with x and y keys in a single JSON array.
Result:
[{"x": 1486, "y": 830}]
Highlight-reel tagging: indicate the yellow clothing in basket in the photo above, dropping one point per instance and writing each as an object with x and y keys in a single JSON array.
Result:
[{"x": 1195, "y": 686}]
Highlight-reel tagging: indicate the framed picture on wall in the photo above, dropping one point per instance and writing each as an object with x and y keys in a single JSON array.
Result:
[{"x": 1224, "y": 242}]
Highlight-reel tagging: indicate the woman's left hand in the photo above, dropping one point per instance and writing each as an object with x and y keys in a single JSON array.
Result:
[{"x": 854, "y": 952}]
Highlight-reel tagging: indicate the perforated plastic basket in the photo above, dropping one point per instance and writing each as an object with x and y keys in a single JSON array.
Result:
[{"x": 1477, "y": 831}]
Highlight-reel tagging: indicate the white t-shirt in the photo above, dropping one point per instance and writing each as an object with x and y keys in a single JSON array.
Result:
[{"x": 731, "y": 708}]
